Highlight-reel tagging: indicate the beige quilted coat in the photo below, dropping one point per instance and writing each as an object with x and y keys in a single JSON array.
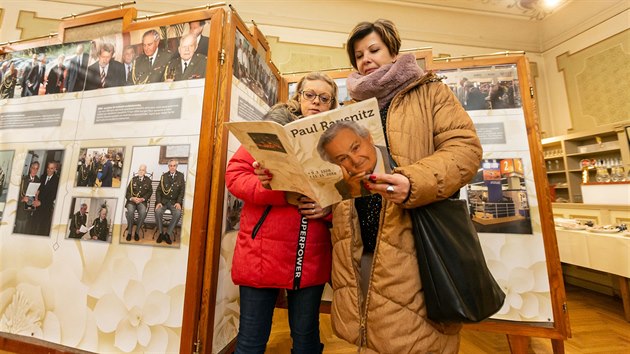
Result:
[{"x": 423, "y": 118}]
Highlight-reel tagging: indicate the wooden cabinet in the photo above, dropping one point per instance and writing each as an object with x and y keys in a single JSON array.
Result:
[{"x": 563, "y": 156}]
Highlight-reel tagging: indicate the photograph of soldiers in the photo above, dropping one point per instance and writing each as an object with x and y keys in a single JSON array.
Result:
[
  {"x": 8, "y": 81},
  {"x": 95, "y": 169},
  {"x": 100, "y": 226},
  {"x": 138, "y": 194},
  {"x": 188, "y": 64},
  {"x": 91, "y": 218},
  {"x": 151, "y": 64},
  {"x": 106, "y": 72},
  {"x": 78, "y": 222},
  {"x": 169, "y": 196}
]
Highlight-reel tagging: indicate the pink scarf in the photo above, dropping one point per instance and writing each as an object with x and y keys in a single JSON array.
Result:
[{"x": 386, "y": 81}]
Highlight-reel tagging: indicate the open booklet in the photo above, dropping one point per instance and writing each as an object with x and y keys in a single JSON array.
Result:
[{"x": 312, "y": 157}]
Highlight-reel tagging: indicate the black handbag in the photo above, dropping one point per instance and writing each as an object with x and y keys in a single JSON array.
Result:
[{"x": 457, "y": 283}]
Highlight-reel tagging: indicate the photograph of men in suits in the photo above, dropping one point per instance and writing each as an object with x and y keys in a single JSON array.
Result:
[
  {"x": 45, "y": 200},
  {"x": 188, "y": 64},
  {"x": 129, "y": 55},
  {"x": 77, "y": 71},
  {"x": 169, "y": 196},
  {"x": 56, "y": 77},
  {"x": 149, "y": 67},
  {"x": 31, "y": 78},
  {"x": 25, "y": 213},
  {"x": 106, "y": 72},
  {"x": 77, "y": 220},
  {"x": 106, "y": 175},
  {"x": 351, "y": 147},
  {"x": 196, "y": 28},
  {"x": 138, "y": 193}
]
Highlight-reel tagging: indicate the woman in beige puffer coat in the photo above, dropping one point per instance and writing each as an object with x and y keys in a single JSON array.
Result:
[{"x": 378, "y": 302}]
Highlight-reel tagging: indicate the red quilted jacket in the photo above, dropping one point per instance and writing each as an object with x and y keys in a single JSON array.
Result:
[{"x": 266, "y": 248}]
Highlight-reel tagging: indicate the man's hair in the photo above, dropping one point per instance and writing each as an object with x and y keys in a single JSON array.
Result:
[
  {"x": 280, "y": 114},
  {"x": 153, "y": 33},
  {"x": 169, "y": 161},
  {"x": 83, "y": 205},
  {"x": 331, "y": 133},
  {"x": 294, "y": 101},
  {"x": 34, "y": 163},
  {"x": 385, "y": 29},
  {"x": 106, "y": 47}
]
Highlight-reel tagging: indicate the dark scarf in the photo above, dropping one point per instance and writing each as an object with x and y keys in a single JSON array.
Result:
[{"x": 386, "y": 81}]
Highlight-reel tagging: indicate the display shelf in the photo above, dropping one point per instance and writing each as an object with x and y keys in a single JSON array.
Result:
[{"x": 563, "y": 155}]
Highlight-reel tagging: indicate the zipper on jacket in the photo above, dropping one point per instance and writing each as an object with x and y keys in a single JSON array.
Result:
[{"x": 260, "y": 222}]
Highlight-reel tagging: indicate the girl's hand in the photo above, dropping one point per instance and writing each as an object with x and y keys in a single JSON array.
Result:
[
  {"x": 264, "y": 176},
  {"x": 310, "y": 209}
]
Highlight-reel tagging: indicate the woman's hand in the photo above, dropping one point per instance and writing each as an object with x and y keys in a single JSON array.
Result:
[
  {"x": 310, "y": 209},
  {"x": 264, "y": 176},
  {"x": 393, "y": 187}
]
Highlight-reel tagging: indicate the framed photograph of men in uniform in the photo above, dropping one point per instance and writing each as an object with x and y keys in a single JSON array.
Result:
[
  {"x": 38, "y": 192},
  {"x": 91, "y": 219},
  {"x": 154, "y": 195},
  {"x": 100, "y": 167},
  {"x": 6, "y": 160}
]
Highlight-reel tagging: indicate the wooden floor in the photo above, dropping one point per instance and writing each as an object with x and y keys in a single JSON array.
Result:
[{"x": 597, "y": 326}]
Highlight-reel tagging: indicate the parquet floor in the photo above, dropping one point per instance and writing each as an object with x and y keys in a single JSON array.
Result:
[{"x": 597, "y": 326}]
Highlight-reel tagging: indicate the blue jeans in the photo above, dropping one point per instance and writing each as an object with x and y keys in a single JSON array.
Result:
[{"x": 257, "y": 307}]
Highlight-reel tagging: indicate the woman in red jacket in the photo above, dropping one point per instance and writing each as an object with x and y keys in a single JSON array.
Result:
[{"x": 265, "y": 257}]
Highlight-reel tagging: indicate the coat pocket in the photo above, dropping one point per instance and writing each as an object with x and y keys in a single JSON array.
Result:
[{"x": 260, "y": 221}]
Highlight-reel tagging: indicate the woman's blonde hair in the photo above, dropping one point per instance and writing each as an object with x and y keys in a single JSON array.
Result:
[
  {"x": 384, "y": 28},
  {"x": 294, "y": 101}
]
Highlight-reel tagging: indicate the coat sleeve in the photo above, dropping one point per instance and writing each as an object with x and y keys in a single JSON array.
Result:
[
  {"x": 244, "y": 184},
  {"x": 457, "y": 151}
]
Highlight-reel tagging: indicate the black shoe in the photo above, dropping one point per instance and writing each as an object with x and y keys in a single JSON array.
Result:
[
  {"x": 128, "y": 237},
  {"x": 159, "y": 240},
  {"x": 167, "y": 238},
  {"x": 136, "y": 237}
]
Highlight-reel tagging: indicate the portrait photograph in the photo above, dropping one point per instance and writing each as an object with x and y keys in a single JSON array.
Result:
[
  {"x": 154, "y": 196},
  {"x": 497, "y": 197},
  {"x": 6, "y": 160},
  {"x": 100, "y": 167},
  {"x": 38, "y": 191},
  {"x": 91, "y": 219}
]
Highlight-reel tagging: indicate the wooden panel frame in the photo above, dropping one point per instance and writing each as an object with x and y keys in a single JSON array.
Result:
[
  {"x": 560, "y": 329},
  {"x": 233, "y": 22},
  {"x": 193, "y": 314}
]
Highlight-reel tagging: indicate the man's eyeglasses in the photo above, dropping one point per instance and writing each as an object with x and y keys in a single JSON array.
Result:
[{"x": 311, "y": 95}]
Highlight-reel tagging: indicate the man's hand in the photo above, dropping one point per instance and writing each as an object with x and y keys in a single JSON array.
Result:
[
  {"x": 158, "y": 205},
  {"x": 353, "y": 181},
  {"x": 178, "y": 206}
]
